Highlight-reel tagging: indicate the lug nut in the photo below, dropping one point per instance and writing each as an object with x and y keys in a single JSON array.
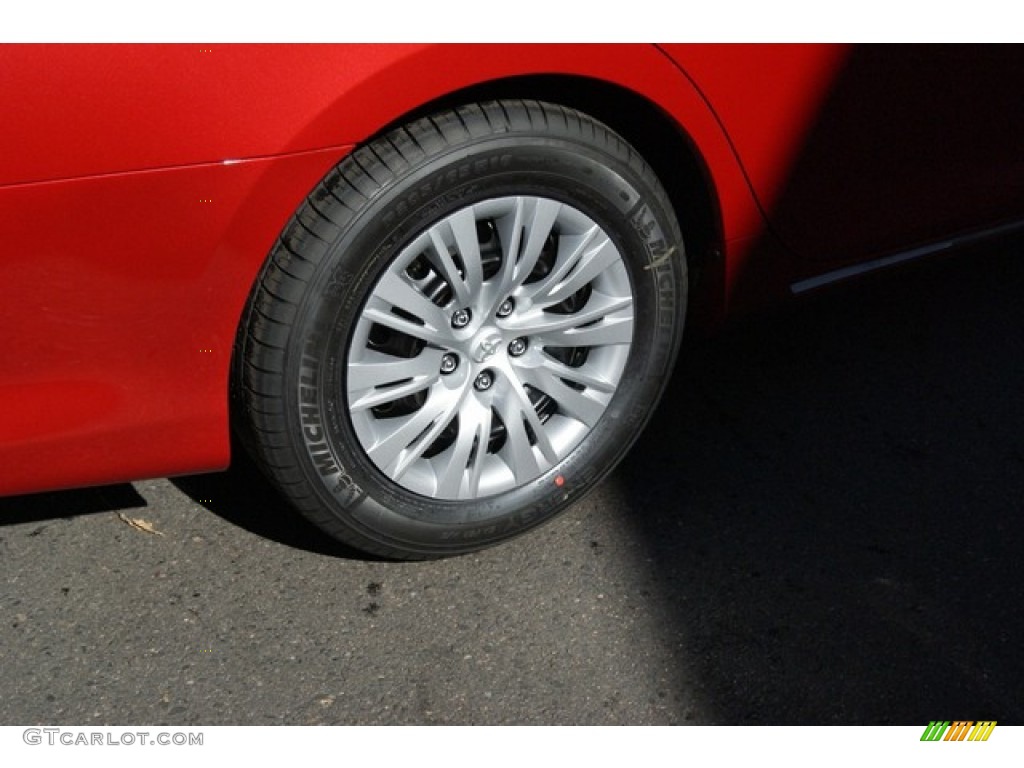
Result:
[
  {"x": 460, "y": 318},
  {"x": 516, "y": 347},
  {"x": 449, "y": 363},
  {"x": 483, "y": 381},
  {"x": 505, "y": 308}
]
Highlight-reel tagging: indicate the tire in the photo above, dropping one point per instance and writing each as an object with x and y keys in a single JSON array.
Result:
[{"x": 410, "y": 428}]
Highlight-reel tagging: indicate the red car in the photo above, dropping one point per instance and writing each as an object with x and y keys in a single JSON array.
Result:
[{"x": 439, "y": 289}]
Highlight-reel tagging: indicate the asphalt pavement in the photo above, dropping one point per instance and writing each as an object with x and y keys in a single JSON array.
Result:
[{"x": 822, "y": 524}]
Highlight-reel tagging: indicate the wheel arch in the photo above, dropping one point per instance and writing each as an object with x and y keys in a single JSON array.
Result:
[{"x": 661, "y": 140}]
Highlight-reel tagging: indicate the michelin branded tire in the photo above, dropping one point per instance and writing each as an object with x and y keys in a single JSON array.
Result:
[{"x": 462, "y": 329}]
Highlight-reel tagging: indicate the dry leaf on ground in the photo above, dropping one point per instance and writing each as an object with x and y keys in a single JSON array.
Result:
[{"x": 140, "y": 524}]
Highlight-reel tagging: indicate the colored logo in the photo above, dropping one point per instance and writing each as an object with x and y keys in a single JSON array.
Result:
[{"x": 960, "y": 730}]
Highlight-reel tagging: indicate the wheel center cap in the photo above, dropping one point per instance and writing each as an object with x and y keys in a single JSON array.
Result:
[{"x": 486, "y": 345}]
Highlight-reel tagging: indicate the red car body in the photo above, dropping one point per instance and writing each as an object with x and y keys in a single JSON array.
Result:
[{"x": 141, "y": 188}]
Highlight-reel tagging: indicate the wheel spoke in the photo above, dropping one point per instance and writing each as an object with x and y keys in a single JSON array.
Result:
[
  {"x": 517, "y": 411},
  {"x": 380, "y": 378},
  {"x": 396, "y": 450},
  {"x": 539, "y": 322},
  {"x": 518, "y": 452},
  {"x": 545, "y": 213},
  {"x": 463, "y": 228},
  {"x": 581, "y": 375},
  {"x": 459, "y": 230},
  {"x": 394, "y": 293},
  {"x": 378, "y": 370},
  {"x": 523, "y": 237},
  {"x": 474, "y": 430},
  {"x": 611, "y": 330},
  {"x": 482, "y": 436},
  {"x": 571, "y": 402},
  {"x": 576, "y": 271},
  {"x": 430, "y": 334},
  {"x": 397, "y": 292},
  {"x": 510, "y": 233}
]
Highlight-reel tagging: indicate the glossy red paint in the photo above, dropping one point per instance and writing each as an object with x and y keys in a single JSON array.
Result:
[
  {"x": 141, "y": 188},
  {"x": 125, "y": 294},
  {"x": 85, "y": 110}
]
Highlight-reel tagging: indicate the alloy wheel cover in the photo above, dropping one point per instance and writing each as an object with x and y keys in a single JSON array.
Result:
[{"x": 489, "y": 348}]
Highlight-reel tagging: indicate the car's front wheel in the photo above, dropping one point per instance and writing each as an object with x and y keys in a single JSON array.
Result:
[{"x": 463, "y": 328}]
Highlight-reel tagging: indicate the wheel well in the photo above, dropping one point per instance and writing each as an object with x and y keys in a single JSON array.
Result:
[{"x": 660, "y": 140}]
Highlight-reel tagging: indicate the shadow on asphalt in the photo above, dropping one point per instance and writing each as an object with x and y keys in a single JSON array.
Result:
[
  {"x": 244, "y": 497},
  {"x": 832, "y": 502},
  {"x": 241, "y": 495},
  {"x": 38, "y": 507}
]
